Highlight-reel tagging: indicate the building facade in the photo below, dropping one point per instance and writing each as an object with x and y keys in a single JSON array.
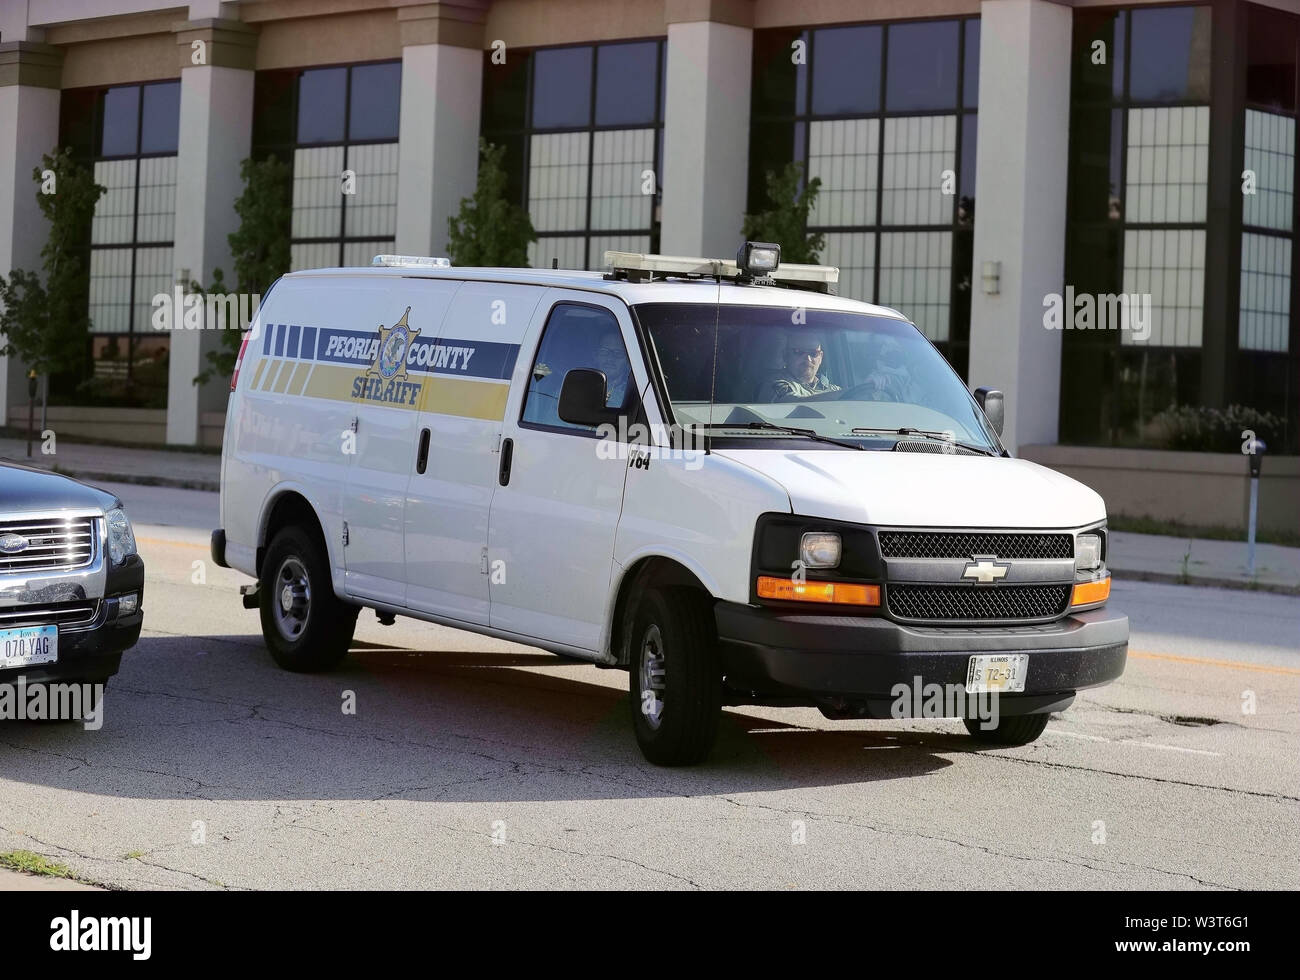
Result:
[{"x": 1116, "y": 152}]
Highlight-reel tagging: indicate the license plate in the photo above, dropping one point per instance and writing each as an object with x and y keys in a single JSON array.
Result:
[
  {"x": 29, "y": 645},
  {"x": 1000, "y": 672}
]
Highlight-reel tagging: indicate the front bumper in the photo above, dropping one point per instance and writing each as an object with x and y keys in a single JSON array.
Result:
[
  {"x": 93, "y": 651},
  {"x": 798, "y": 657}
]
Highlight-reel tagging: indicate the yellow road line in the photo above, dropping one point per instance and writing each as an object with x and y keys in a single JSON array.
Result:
[
  {"x": 1201, "y": 662},
  {"x": 175, "y": 544}
]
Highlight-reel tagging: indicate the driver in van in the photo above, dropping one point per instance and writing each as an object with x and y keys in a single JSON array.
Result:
[{"x": 803, "y": 361}]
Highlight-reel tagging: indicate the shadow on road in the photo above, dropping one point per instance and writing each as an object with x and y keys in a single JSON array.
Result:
[{"x": 212, "y": 718}]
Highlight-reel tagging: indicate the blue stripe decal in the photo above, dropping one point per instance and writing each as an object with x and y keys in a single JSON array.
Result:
[
  {"x": 308, "y": 343},
  {"x": 291, "y": 348},
  {"x": 268, "y": 335},
  {"x": 487, "y": 360},
  {"x": 279, "y": 339}
]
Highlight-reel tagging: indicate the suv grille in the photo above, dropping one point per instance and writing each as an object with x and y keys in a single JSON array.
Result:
[
  {"x": 964, "y": 544},
  {"x": 49, "y": 614},
  {"x": 958, "y": 603},
  {"x": 52, "y": 543}
]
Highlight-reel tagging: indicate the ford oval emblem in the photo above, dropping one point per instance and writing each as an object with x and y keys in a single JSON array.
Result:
[{"x": 12, "y": 543}]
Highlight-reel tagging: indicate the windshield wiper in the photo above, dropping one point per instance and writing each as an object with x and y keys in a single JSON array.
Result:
[
  {"x": 809, "y": 433},
  {"x": 929, "y": 434}
]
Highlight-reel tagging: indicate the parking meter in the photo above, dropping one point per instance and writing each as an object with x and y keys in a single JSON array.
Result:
[{"x": 1253, "y": 459}]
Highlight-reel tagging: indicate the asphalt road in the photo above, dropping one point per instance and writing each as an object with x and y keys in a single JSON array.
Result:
[{"x": 475, "y": 763}]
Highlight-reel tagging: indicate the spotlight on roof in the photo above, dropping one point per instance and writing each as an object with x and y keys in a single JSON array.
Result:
[{"x": 758, "y": 260}]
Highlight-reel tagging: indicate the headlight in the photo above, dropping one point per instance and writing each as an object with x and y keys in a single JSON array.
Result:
[
  {"x": 121, "y": 540},
  {"x": 1087, "y": 552},
  {"x": 819, "y": 549}
]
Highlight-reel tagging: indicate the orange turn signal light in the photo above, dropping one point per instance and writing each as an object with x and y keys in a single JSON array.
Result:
[
  {"x": 1086, "y": 593},
  {"x": 841, "y": 593}
]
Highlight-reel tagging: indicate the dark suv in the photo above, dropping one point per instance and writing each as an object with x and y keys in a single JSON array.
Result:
[{"x": 71, "y": 582}]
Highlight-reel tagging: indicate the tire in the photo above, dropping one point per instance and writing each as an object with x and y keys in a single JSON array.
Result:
[
  {"x": 306, "y": 626},
  {"x": 675, "y": 661},
  {"x": 1013, "y": 730}
]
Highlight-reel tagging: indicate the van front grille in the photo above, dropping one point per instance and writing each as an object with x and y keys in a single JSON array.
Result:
[
  {"x": 972, "y": 604},
  {"x": 47, "y": 544},
  {"x": 966, "y": 544}
]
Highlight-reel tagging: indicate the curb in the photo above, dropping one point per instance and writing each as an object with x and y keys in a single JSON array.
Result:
[
  {"x": 175, "y": 483},
  {"x": 1205, "y": 581}
]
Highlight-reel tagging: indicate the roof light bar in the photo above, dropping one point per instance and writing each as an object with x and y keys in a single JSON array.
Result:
[
  {"x": 412, "y": 261},
  {"x": 640, "y": 267}
]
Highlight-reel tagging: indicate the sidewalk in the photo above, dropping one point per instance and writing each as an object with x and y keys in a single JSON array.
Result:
[
  {"x": 1198, "y": 561},
  {"x": 1150, "y": 557},
  {"x": 90, "y": 462}
]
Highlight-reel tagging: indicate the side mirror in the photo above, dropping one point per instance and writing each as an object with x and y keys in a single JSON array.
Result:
[
  {"x": 582, "y": 398},
  {"x": 990, "y": 400}
]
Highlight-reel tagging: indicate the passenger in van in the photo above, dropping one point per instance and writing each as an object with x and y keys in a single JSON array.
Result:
[
  {"x": 803, "y": 361},
  {"x": 611, "y": 359}
]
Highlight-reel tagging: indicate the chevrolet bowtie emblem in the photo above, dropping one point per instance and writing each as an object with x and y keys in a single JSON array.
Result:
[{"x": 985, "y": 569}]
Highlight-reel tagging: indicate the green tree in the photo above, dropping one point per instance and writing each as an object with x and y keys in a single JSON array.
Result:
[
  {"x": 490, "y": 230},
  {"x": 45, "y": 323},
  {"x": 786, "y": 221},
  {"x": 259, "y": 248}
]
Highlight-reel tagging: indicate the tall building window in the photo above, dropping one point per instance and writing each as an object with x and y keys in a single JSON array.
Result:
[
  {"x": 339, "y": 127},
  {"x": 884, "y": 115},
  {"x": 1268, "y": 330},
  {"x": 128, "y": 135},
  {"x": 583, "y": 131},
  {"x": 1137, "y": 215}
]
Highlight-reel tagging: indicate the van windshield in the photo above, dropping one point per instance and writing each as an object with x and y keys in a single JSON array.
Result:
[{"x": 849, "y": 376}]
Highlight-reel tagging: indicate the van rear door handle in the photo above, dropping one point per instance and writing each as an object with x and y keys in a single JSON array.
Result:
[
  {"x": 422, "y": 457},
  {"x": 507, "y": 453}
]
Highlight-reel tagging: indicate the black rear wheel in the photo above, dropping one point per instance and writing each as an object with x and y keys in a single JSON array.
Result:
[{"x": 306, "y": 626}]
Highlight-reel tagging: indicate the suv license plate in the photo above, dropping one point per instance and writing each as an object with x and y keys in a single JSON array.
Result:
[
  {"x": 1000, "y": 672},
  {"x": 29, "y": 645}
]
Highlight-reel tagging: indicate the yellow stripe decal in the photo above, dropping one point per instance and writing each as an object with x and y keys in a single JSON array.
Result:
[
  {"x": 445, "y": 396},
  {"x": 286, "y": 373},
  {"x": 299, "y": 381},
  {"x": 257, "y": 375},
  {"x": 271, "y": 374}
]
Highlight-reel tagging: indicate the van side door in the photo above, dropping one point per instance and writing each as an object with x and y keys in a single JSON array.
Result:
[
  {"x": 559, "y": 488},
  {"x": 385, "y": 384},
  {"x": 453, "y": 452}
]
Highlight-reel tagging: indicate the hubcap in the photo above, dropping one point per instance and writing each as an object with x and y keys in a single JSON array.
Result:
[
  {"x": 295, "y": 598},
  {"x": 652, "y": 676}
]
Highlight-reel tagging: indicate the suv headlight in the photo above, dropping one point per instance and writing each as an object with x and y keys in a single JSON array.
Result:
[
  {"x": 121, "y": 539},
  {"x": 1087, "y": 552}
]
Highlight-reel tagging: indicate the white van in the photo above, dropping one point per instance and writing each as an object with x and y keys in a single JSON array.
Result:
[{"x": 715, "y": 475}]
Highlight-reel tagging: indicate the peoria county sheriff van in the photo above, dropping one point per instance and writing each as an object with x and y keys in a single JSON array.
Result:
[{"x": 713, "y": 474}]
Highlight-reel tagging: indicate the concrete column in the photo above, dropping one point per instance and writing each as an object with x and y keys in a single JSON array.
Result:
[
  {"x": 29, "y": 127},
  {"x": 215, "y": 135},
  {"x": 442, "y": 82},
  {"x": 1020, "y": 194},
  {"x": 706, "y": 126}
]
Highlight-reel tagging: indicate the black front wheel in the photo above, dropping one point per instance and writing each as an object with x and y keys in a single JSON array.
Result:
[
  {"x": 676, "y": 680},
  {"x": 1015, "y": 730}
]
